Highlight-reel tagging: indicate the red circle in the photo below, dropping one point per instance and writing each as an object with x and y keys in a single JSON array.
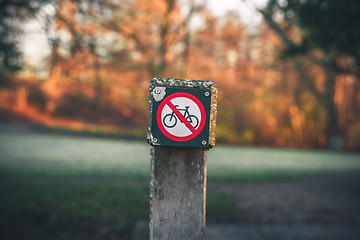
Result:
[{"x": 202, "y": 112}]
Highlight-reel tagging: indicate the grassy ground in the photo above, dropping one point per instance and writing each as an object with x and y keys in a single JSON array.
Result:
[
  {"x": 31, "y": 210},
  {"x": 61, "y": 155},
  {"x": 36, "y": 202},
  {"x": 69, "y": 211}
]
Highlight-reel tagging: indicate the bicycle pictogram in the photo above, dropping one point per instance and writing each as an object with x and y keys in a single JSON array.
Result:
[{"x": 170, "y": 120}]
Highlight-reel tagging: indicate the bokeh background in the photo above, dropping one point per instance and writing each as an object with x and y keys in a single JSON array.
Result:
[
  {"x": 290, "y": 78},
  {"x": 74, "y": 82}
]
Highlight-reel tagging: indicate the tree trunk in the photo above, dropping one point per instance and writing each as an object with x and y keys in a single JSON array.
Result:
[
  {"x": 333, "y": 135},
  {"x": 98, "y": 83}
]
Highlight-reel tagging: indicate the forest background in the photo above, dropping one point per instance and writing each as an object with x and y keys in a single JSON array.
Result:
[{"x": 290, "y": 81}]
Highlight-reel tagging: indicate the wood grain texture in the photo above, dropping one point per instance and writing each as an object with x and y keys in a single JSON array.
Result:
[{"x": 177, "y": 193}]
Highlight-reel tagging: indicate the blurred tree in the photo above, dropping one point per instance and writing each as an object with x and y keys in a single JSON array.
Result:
[
  {"x": 105, "y": 51},
  {"x": 329, "y": 37},
  {"x": 97, "y": 43},
  {"x": 13, "y": 14},
  {"x": 104, "y": 36},
  {"x": 76, "y": 47},
  {"x": 153, "y": 31}
]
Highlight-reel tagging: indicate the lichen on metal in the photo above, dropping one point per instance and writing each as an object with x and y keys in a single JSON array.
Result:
[
  {"x": 213, "y": 113},
  {"x": 180, "y": 83}
]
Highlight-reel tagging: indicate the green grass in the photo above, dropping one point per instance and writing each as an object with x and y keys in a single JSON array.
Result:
[
  {"x": 61, "y": 155},
  {"x": 48, "y": 154},
  {"x": 263, "y": 164},
  {"x": 221, "y": 207},
  {"x": 79, "y": 210},
  {"x": 70, "y": 211}
]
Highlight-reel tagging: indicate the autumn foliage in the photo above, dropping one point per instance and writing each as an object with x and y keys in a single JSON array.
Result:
[{"x": 104, "y": 54}]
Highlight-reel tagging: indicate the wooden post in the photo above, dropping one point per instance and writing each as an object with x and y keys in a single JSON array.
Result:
[
  {"x": 177, "y": 193},
  {"x": 181, "y": 126}
]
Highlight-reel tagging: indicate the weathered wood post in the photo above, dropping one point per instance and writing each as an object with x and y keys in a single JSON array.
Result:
[{"x": 181, "y": 126}]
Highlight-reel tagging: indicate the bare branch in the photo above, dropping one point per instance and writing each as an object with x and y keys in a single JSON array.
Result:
[{"x": 303, "y": 75}]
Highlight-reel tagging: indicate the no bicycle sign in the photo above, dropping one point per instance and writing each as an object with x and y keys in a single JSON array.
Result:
[
  {"x": 181, "y": 116},
  {"x": 181, "y": 113}
]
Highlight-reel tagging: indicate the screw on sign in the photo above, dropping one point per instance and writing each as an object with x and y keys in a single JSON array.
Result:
[{"x": 181, "y": 117}]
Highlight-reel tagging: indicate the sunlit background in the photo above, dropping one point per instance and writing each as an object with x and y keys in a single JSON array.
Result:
[
  {"x": 87, "y": 66},
  {"x": 74, "y": 88}
]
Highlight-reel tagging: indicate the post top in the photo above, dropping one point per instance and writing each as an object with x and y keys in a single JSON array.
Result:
[{"x": 181, "y": 83}]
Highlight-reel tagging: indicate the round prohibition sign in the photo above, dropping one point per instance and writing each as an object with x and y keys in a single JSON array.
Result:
[{"x": 181, "y": 117}]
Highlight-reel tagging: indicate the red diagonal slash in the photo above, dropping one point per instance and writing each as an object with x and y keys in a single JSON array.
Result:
[
  {"x": 194, "y": 132},
  {"x": 181, "y": 117}
]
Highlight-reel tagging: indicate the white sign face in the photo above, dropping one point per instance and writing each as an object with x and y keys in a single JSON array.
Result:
[
  {"x": 181, "y": 117},
  {"x": 173, "y": 124}
]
